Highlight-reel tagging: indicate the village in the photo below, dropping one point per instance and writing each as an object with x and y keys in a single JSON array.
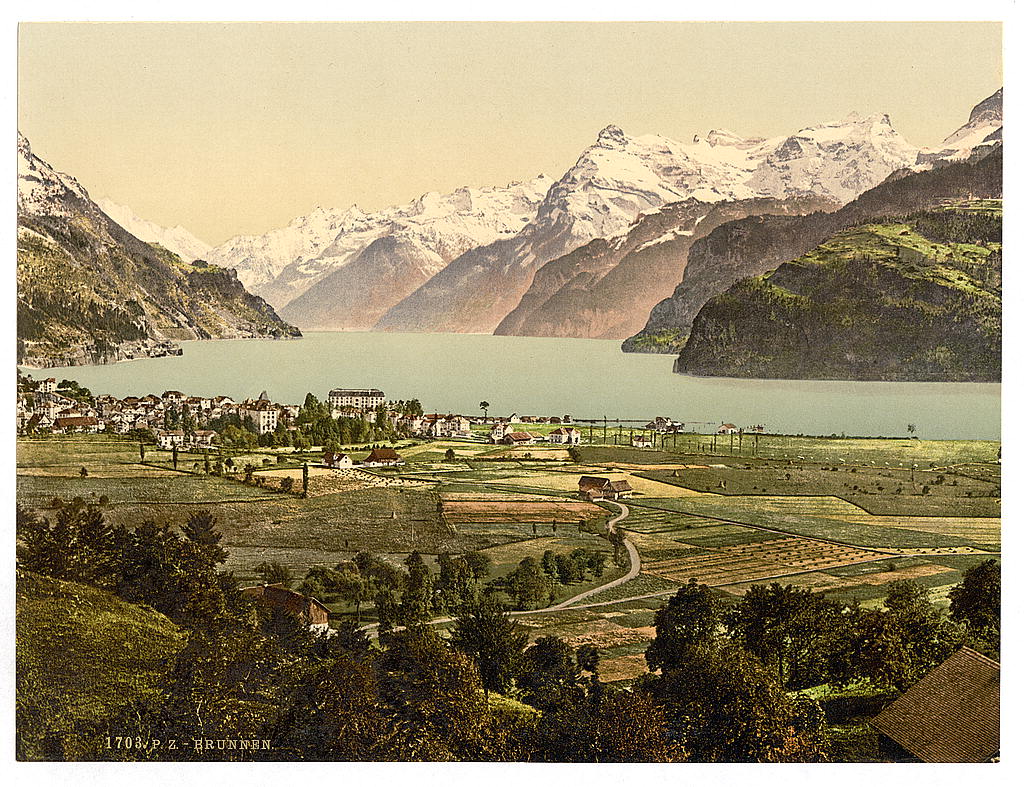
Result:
[{"x": 175, "y": 420}]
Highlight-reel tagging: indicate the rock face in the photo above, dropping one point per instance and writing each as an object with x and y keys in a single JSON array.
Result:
[
  {"x": 916, "y": 298},
  {"x": 606, "y": 288},
  {"x": 409, "y": 242},
  {"x": 91, "y": 292},
  {"x": 752, "y": 246},
  {"x": 620, "y": 177}
]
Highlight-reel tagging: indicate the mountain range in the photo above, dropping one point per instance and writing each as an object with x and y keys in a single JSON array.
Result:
[
  {"x": 615, "y": 180},
  {"x": 631, "y": 241},
  {"x": 758, "y": 244},
  {"x": 89, "y": 291}
]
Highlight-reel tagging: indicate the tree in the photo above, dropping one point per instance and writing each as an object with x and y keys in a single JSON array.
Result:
[
  {"x": 575, "y": 454},
  {"x": 454, "y": 586},
  {"x": 975, "y": 602},
  {"x": 493, "y": 641},
  {"x": 806, "y": 637},
  {"x": 527, "y": 583},
  {"x": 83, "y": 472},
  {"x": 287, "y": 483},
  {"x": 550, "y": 674},
  {"x": 686, "y": 626},
  {"x": 273, "y": 573},
  {"x": 484, "y": 406},
  {"x": 434, "y": 690},
  {"x": 897, "y": 645},
  {"x": 725, "y": 706},
  {"x": 479, "y": 564},
  {"x": 449, "y": 455},
  {"x": 416, "y": 594}
]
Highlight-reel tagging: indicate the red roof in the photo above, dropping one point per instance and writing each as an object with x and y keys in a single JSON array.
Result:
[
  {"x": 951, "y": 714},
  {"x": 383, "y": 455},
  {"x": 77, "y": 420},
  {"x": 306, "y": 608}
]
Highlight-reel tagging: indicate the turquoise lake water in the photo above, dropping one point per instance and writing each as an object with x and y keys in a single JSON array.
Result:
[{"x": 580, "y": 377}]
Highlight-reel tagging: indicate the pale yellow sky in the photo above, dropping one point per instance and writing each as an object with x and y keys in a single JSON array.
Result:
[{"x": 238, "y": 128}]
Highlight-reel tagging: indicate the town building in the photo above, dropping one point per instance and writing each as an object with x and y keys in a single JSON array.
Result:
[
  {"x": 567, "y": 435},
  {"x": 262, "y": 413},
  {"x": 359, "y": 398},
  {"x": 169, "y": 438}
]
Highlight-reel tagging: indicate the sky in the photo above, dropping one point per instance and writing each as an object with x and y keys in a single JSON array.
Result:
[{"x": 234, "y": 128}]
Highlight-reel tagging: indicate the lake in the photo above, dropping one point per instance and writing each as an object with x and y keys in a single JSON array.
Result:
[{"x": 581, "y": 377}]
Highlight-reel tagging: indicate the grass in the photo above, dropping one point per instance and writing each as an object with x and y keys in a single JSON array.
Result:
[{"x": 83, "y": 658}]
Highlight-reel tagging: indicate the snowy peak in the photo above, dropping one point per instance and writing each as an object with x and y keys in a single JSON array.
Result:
[
  {"x": 284, "y": 263},
  {"x": 621, "y": 176},
  {"x": 42, "y": 190},
  {"x": 175, "y": 239},
  {"x": 983, "y": 130},
  {"x": 838, "y": 160},
  {"x": 718, "y": 137}
]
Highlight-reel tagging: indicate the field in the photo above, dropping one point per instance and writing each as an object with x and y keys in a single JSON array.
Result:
[{"x": 840, "y": 516}]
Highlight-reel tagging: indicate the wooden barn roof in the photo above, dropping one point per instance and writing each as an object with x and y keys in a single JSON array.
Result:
[{"x": 951, "y": 714}]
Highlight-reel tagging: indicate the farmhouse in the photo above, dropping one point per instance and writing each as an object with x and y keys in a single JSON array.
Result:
[
  {"x": 305, "y": 609},
  {"x": 336, "y": 460},
  {"x": 728, "y": 429},
  {"x": 565, "y": 434},
  {"x": 599, "y": 488},
  {"x": 950, "y": 715},
  {"x": 383, "y": 457},
  {"x": 518, "y": 438},
  {"x": 641, "y": 441}
]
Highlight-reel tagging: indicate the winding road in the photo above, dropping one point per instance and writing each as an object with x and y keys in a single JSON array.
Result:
[
  {"x": 634, "y": 566},
  {"x": 634, "y": 569}
]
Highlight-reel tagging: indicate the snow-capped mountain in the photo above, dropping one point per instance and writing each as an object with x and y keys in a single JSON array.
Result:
[
  {"x": 176, "y": 239},
  {"x": 42, "y": 190},
  {"x": 620, "y": 177},
  {"x": 984, "y": 129},
  {"x": 436, "y": 228},
  {"x": 835, "y": 160}
]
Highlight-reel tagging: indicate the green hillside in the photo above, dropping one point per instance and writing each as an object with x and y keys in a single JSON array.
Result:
[
  {"x": 913, "y": 298},
  {"x": 83, "y": 658}
]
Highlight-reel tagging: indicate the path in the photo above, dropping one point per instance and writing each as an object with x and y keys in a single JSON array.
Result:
[
  {"x": 634, "y": 565},
  {"x": 634, "y": 569}
]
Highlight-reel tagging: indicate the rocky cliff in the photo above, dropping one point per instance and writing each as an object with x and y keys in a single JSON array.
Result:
[{"x": 91, "y": 292}]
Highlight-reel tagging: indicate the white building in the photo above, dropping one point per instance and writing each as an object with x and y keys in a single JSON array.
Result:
[
  {"x": 263, "y": 415},
  {"x": 168, "y": 439},
  {"x": 568, "y": 435},
  {"x": 360, "y": 398}
]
